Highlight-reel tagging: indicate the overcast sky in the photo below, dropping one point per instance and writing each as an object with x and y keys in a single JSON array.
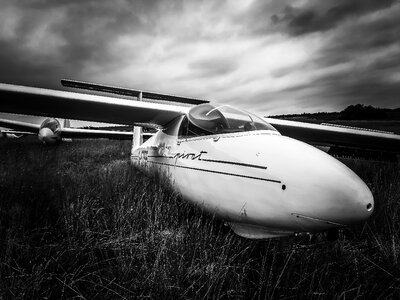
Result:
[{"x": 269, "y": 57}]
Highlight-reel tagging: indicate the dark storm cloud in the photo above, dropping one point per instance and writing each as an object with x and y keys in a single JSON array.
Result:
[
  {"x": 372, "y": 85},
  {"x": 324, "y": 15},
  {"x": 368, "y": 89},
  {"x": 22, "y": 71},
  {"x": 371, "y": 48},
  {"x": 296, "y": 53},
  {"x": 359, "y": 57},
  {"x": 355, "y": 40},
  {"x": 85, "y": 31}
]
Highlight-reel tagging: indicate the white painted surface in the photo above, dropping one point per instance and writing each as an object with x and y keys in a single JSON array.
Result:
[{"x": 265, "y": 184}]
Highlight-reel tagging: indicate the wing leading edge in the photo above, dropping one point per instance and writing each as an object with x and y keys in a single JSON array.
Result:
[{"x": 55, "y": 103}]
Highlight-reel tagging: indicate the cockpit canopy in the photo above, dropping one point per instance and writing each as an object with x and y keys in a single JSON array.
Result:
[
  {"x": 52, "y": 124},
  {"x": 207, "y": 119}
]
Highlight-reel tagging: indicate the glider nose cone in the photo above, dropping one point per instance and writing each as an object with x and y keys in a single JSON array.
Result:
[
  {"x": 320, "y": 191},
  {"x": 342, "y": 197},
  {"x": 359, "y": 203},
  {"x": 345, "y": 198}
]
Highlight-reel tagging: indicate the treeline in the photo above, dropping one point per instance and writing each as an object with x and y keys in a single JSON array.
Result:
[
  {"x": 363, "y": 112},
  {"x": 352, "y": 112}
]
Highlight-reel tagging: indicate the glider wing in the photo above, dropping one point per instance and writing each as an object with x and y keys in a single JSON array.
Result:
[
  {"x": 329, "y": 135},
  {"x": 62, "y": 104},
  {"x": 20, "y": 126}
]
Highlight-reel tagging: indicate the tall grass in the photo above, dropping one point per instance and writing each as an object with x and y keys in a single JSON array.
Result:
[{"x": 77, "y": 221}]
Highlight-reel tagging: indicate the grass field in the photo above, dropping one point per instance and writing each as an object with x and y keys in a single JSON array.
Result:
[{"x": 77, "y": 221}]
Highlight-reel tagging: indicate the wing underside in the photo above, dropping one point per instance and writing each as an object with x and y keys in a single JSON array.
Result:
[
  {"x": 81, "y": 133},
  {"x": 20, "y": 126},
  {"x": 61, "y": 104},
  {"x": 129, "y": 92}
]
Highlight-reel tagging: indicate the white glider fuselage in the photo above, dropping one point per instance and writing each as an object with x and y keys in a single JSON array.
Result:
[{"x": 263, "y": 184}]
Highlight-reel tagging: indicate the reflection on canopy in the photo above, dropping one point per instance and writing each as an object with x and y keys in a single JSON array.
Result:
[{"x": 209, "y": 119}]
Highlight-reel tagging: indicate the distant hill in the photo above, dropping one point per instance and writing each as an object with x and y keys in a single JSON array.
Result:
[
  {"x": 358, "y": 115},
  {"x": 352, "y": 112}
]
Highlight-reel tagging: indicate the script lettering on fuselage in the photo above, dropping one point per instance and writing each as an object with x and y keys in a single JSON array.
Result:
[{"x": 192, "y": 156}]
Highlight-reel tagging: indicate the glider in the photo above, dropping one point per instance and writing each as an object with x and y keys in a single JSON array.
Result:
[
  {"x": 232, "y": 163},
  {"x": 50, "y": 131}
]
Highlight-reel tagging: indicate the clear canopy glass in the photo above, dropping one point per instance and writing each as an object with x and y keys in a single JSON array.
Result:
[{"x": 224, "y": 119}]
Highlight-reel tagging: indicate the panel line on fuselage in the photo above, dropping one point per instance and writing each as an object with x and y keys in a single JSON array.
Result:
[
  {"x": 216, "y": 161},
  {"x": 234, "y": 163},
  {"x": 160, "y": 156},
  {"x": 212, "y": 171}
]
